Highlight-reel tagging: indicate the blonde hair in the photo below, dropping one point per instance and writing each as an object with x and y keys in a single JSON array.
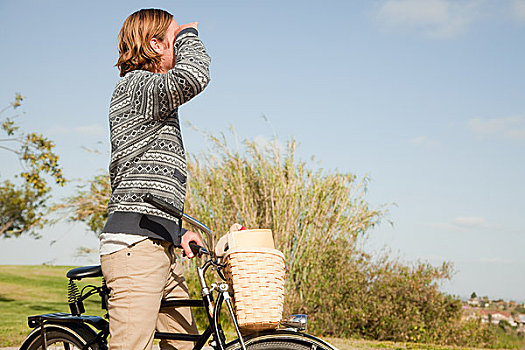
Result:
[{"x": 135, "y": 51}]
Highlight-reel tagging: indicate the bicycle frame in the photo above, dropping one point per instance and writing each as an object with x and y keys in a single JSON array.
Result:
[
  {"x": 212, "y": 307},
  {"x": 212, "y": 311},
  {"x": 77, "y": 321}
]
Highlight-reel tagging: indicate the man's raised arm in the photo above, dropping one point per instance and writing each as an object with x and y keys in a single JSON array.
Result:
[{"x": 185, "y": 80}]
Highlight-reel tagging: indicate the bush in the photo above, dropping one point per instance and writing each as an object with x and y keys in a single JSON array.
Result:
[{"x": 318, "y": 219}]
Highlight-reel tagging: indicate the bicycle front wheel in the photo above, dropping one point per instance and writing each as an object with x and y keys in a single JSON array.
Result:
[
  {"x": 277, "y": 345},
  {"x": 58, "y": 338},
  {"x": 281, "y": 340}
]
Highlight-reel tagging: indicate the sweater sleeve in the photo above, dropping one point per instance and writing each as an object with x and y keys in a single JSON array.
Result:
[{"x": 166, "y": 92}]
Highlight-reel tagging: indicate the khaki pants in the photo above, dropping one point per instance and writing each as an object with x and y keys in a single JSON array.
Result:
[{"x": 139, "y": 277}]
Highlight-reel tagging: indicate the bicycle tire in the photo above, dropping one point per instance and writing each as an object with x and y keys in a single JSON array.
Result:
[
  {"x": 63, "y": 339},
  {"x": 281, "y": 340}
]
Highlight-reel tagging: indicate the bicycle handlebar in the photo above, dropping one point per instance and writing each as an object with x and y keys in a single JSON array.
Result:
[{"x": 163, "y": 205}]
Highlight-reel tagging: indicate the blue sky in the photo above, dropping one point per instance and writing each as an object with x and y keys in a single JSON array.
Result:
[{"x": 427, "y": 97}]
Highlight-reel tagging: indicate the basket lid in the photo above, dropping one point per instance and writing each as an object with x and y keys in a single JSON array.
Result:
[{"x": 245, "y": 239}]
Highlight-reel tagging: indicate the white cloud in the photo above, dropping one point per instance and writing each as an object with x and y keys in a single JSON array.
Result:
[
  {"x": 265, "y": 144},
  {"x": 509, "y": 128},
  {"x": 516, "y": 134},
  {"x": 432, "y": 18},
  {"x": 415, "y": 11},
  {"x": 518, "y": 9},
  {"x": 423, "y": 141},
  {"x": 466, "y": 224},
  {"x": 470, "y": 222},
  {"x": 496, "y": 260},
  {"x": 419, "y": 140},
  {"x": 91, "y": 130},
  {"x": 83, "y": 130}
]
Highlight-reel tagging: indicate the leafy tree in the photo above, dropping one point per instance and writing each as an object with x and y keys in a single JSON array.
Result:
[
  {"x": 473, "y": 295},
  {"x": 89, "y": 204},
  {"x": 23, "y": 199}
]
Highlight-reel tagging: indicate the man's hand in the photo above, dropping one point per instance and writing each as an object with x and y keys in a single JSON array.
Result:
[
  {"x": 184, "y": 26},
  {"x": 188, "y": 237}
]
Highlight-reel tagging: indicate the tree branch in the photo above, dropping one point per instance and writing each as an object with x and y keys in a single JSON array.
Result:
[
  {"x": 10, "y": 149},
  {"x": 6, "y": 226},
  {"x": 13, "y": 139}
]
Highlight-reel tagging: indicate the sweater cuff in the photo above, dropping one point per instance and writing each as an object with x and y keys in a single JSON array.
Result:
[
  {"x": 182, "y": 233},
  {"x": 187, "y": 30}
]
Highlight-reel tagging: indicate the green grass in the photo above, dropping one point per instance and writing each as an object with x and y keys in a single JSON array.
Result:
[
  {"x": 352, "y": 344},
  {"x": 33, "y": 290}
]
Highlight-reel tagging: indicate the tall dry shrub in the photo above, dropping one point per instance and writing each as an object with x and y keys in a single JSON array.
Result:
[
  {"x": 312, "y": 213},
  {"x": 318, "y": 218}
]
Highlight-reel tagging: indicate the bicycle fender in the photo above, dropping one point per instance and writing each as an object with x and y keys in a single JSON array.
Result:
[
  {"x": 298, "y": 337},
  {"x": 75, "y": 329},
  {"x": 64, "y": 318}
]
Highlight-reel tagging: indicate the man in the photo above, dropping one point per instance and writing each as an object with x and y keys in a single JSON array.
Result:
[{"x": 162, "y": 66}]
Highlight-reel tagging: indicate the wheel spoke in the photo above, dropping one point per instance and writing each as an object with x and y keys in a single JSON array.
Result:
[{"x": 66, "y": 346}]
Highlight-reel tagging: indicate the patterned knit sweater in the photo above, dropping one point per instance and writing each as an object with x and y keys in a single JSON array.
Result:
[{"x": 147, "y": 153}]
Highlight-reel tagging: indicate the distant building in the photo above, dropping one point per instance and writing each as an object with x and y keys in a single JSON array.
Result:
[
  {"x": 494, "y": 317},
  {"x": 520, "y": 319},
  {"x": 474, "y": 302},
  {"x": 494, "y": 311}
]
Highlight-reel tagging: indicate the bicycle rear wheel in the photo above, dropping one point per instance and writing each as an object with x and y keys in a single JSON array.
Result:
[{"x": 60, "y": 338}]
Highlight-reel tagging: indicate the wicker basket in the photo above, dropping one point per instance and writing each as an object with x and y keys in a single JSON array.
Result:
[{"x": 257, "y": 279}]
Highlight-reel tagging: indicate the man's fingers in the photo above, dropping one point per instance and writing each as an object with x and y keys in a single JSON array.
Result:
[
  {"x": 187, "y": 238},
  {"x": 188, "y": 252},
  {"x": 184, "y": 26}
]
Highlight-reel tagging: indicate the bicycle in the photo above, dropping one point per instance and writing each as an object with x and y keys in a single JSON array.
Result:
[{"x": 77, "y": 331}]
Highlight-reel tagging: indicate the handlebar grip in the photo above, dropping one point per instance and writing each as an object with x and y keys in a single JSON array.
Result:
[
  {"x": 198, "y": 250},
  {"x": 195, "y": 248},
  {"x": 162, "y": 205}
]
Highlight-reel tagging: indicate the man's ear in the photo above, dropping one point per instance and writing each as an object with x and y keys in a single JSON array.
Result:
[{"x": 156, "y": 45}]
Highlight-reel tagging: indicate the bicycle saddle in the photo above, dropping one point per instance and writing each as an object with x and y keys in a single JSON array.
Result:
[{"x": 84, "y": 271}]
